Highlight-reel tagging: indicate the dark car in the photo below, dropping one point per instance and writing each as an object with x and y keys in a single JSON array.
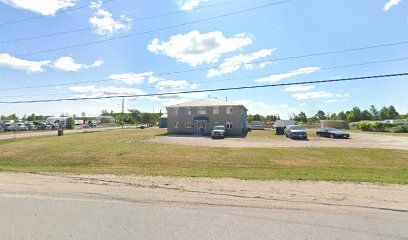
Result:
[
  {"x": 31, "y": 126},
  {"x": 295, "y": 132},
  {"x": 332, "y": 133}
]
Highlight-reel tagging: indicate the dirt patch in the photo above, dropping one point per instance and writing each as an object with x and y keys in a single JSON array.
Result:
[
  {"x": 358, "y": 140},
  {"x": 223, "y": 192}
]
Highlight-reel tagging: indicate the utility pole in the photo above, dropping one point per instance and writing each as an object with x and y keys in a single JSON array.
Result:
[{"x": 123, "y": 111}]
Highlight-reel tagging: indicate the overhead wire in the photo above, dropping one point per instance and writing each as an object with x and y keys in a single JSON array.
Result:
[{"x": 211, "y": 90}]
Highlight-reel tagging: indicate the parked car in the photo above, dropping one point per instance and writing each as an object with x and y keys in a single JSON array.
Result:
[
  {"x": 31, "y": 126},
  {"x": 44, "y": 126},
  {"x": 218, "y": 132},
  {"x": 9, "y": 127},
  {"x": 295, "y": 131},
  {"x": 21, "y": 127},
  {"x": 332, "y": 133},
  {"x": 1, "y": 129}
]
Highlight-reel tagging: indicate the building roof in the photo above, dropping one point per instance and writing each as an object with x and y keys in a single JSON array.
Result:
[
  {"x": 283, "y": 123},
  {"x": 208, "y": 102}
]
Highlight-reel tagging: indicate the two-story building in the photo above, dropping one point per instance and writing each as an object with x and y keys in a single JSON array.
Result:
[{"x": 201, "y": 116}]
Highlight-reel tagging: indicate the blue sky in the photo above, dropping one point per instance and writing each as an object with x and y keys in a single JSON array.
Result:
[{"x": 228, "y": 45}]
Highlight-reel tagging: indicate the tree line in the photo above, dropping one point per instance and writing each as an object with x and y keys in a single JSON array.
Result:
[
  {"x": 133, "y": 117},
  {"x": 354, "y": 115}
]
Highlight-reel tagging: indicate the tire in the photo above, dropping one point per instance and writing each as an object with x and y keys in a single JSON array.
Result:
[{"x": 332, "y": 136}]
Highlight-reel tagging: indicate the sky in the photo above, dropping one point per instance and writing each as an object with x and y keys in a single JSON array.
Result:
[{"x": 80, "y": 48}]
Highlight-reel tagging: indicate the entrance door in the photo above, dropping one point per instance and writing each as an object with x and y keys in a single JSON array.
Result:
[{"x": 201, "y": 128}]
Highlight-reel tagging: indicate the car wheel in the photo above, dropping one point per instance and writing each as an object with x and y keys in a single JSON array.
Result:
[{"x": 332, "y": 135}]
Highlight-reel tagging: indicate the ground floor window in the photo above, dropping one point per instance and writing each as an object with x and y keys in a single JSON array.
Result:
[
  {"x": 176, "y": 124},
  {"x": 187, "y": 125},
  {"x": 228, "y": 125},
  {"x": 216, "y": 124}
]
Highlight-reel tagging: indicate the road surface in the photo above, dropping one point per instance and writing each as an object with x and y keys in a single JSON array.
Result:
[
  {"x": 109, "y": 207},
  {"x": 6, "y": 136},
  {"x": 358, "y": 140}
]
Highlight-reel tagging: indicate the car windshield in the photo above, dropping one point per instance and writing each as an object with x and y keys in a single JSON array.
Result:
[
  {"x": 219, "y": 128},
  {"x": 331, "y": 129},
  {"x": 296, "y": 128}
]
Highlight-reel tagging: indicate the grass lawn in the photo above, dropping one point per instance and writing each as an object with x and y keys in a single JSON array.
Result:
[
  {"x": 127, "y": 152},
  {"x": 378, "y": 133}
]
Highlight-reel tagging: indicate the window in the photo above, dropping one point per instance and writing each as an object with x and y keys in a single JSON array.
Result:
[
  {"x": 216, "y": 110},
  {"x": 229, "y": 125},
  {"x": 176, "y": 112},
  {"x": 188, "y": 111},
  {"x": 229, "y": 110},
  {"x": 216, "y": 124},
  {"x": 187, "y": 125},
  {"x": 201, "y": 110},
  {"x": 176, "y": 124}
]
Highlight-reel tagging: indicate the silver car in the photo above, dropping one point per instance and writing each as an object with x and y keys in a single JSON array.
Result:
[{"x": 218, "y": 132}]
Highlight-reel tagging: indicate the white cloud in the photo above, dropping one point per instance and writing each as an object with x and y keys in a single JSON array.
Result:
[
  {"x": 390, "y": 4},
  {"x": 312, "y": 95},
  {"x": 104, "y": 22},
  {"x": 43, "y": 7},
  {"x": 21, "y": 64},
  {"x": 93, "y": 91},
  {"x": 299, "y": 88},
  {"x": 172, "y": 84},
  {"x": 343, "y": 95},
  {"x": 195, "y": 48},
  {"x": 131, "y": 78},
  {"x": 278, "y": 77},
  {"x": 186, "y": 5},
  {"x": 340, "y": 97},
  {"x": 236, "y": 62},
  {"x": 68, "y": 64},
  {"x": 154, "y": 79}
]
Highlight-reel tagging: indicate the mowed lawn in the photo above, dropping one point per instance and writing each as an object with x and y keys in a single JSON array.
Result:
[{"x": 128, "y": 152}]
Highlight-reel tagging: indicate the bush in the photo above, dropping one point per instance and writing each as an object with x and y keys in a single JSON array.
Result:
[
  {"x": 401, "y": 129},
  {"x": 70, "y": 123}
]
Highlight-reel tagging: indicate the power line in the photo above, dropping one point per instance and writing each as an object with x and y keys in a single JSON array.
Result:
[
  {"x": 153, "y": 31},
  {"x": 112, "y": 24},
  {"x": 43, "y": 16},
  {"x": 231, "y": 79},
  {"x": 211, "y": 90}
]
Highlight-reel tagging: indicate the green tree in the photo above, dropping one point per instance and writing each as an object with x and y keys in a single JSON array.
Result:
[
  {"x": 301, "y": 117},
  {"x": 374, "y": 112},
  {"x": 320, "y": 115},
  {"x": 70, "y": 124}
]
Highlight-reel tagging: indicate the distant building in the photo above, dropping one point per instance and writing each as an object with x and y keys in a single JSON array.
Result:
[
  {"x": 163, "y": 121},
  {"x": 280, "y": 126},
  {"x": 334, "y": 124},
  {"x": 201, "y": 116}
]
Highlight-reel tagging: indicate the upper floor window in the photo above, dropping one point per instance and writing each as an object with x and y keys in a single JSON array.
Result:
[
  {"x": 202, "y": 110},
  {"x": 176, "y": 111},
  {"x": 188, "y": 111},
  {"x": 216, "y": 110},
  {"x": 229, "y": 110}
]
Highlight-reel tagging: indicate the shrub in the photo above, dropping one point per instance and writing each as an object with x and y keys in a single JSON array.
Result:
[
  {"x": 401, "y": 129},
  {"x": 70, "y": 123}
]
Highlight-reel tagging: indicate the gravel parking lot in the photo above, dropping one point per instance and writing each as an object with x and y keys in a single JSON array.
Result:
[{"x": 357, "y": 140}]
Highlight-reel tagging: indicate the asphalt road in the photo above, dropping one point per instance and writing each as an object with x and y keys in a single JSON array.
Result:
[{"x": 41, "y": 218}]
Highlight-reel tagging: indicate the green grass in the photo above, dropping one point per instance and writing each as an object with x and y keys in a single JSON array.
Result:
[
  {"x": 389, "y": 133},
  {"x": 127, "y": 152}
]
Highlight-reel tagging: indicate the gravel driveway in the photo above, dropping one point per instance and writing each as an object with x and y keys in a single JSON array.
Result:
[{"x": 357, "y": 140}]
